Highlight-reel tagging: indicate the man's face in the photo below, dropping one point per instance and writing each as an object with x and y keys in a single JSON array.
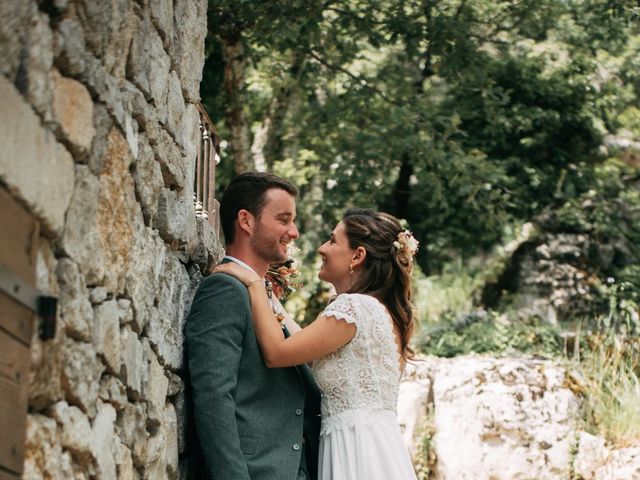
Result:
[{"x": 274, "y": 228}]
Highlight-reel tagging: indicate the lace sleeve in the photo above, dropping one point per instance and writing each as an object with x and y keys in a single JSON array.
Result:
[{"x": 343, "y": 308}]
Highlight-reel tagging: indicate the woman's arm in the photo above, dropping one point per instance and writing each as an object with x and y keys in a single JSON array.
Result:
[{"x": 323, "y": 336}]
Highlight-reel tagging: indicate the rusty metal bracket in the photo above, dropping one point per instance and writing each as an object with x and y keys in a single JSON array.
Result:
[{"x": 44, "y": 306}]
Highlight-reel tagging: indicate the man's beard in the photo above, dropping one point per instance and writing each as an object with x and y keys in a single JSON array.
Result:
[{"x": 267, "y": 247}]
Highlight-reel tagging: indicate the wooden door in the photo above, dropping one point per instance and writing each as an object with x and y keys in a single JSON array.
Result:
[{"x": 18, "y": 247}]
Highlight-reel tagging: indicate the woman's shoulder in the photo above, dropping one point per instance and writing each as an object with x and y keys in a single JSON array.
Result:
[{"x": 361, "y": 301}]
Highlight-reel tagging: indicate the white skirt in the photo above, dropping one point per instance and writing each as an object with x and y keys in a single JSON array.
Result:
[{"x": 363, "y": 445}]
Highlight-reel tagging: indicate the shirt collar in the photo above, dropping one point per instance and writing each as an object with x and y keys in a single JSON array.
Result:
[{"x": 240, "y": 262}]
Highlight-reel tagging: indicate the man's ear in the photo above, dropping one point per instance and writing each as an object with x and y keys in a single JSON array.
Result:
[
  {"x": 246, "y": 221},
  {"x": 359, "y": 256}
]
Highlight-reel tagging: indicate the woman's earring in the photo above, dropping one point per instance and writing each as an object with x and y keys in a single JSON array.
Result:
[{"x": 351, "y": 269}]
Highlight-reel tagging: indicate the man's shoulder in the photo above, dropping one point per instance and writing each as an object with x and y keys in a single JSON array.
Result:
[
  {"x": 222, "y": 281},
  {"x": 217, "y": 294}
]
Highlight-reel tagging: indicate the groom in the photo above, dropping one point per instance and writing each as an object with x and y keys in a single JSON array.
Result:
[{"x": 251, "y": 422}]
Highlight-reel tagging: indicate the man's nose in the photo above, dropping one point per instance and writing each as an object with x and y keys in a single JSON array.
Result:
[{"x": 293, "y": 231}]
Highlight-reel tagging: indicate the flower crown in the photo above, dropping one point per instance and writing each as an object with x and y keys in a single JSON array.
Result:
[{"x": 406, "y": 242}]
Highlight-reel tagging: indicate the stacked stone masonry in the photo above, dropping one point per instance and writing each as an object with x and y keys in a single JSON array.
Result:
[{"x": 99, "y": 131}]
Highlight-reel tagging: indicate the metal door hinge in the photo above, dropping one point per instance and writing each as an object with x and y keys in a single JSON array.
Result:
[{"x": 44, "y": 306}]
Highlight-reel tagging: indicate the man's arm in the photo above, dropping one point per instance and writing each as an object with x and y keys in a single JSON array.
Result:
[{"x": 215, "y": 329}]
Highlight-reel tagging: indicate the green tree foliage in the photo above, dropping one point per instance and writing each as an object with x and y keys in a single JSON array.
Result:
[{"x": 463, "y": 116}]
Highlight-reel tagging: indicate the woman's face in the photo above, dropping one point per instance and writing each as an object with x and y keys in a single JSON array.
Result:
[{"x": 337, "y": 255}]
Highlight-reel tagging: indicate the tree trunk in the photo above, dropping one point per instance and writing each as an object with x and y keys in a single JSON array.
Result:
[
  {"x": 235, "y": 65},
  {"x": 267, "y": 145}
]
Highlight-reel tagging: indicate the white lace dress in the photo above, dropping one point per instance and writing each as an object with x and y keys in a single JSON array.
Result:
[{"x": 360, "y": 436}]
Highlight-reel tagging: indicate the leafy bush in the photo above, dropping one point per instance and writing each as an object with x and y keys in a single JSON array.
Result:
[{"x": 483, "y": 332}]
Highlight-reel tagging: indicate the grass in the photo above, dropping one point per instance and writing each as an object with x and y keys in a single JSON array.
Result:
[{"x": 611, "y": 371}]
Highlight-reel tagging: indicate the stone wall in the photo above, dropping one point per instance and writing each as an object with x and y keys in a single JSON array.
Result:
[{"x": 99, "y": 131}]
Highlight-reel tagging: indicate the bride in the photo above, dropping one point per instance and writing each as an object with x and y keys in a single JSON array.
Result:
[{"x": 358, "y": 344}]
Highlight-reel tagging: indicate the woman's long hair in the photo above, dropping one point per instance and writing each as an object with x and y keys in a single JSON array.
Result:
[{"x": 386, "y": 272}]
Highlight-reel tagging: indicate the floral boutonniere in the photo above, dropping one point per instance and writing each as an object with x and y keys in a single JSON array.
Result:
[{"x": 281, "y": 275}]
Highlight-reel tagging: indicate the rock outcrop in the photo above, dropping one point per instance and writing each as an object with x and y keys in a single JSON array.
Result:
[{"x": 477, "y": 417}]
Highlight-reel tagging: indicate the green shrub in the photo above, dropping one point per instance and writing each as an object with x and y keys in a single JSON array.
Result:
[{"x": 489, "y": 333}]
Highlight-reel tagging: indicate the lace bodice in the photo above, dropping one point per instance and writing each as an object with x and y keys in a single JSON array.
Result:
[{"x": 365, "y": 373}]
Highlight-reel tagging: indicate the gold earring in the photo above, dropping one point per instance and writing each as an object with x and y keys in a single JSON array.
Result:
[{"x": 351, "y": 269}]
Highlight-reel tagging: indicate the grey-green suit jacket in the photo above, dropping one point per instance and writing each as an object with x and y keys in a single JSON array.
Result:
[{"x": 249, "y": 419}]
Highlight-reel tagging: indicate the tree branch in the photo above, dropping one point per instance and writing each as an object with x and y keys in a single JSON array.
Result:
[{"x": 360, "y": 80}]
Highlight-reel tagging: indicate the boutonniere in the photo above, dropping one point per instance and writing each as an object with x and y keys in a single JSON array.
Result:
[{"x": 281, "y": 275}]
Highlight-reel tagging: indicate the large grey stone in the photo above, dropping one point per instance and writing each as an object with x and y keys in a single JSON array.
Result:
[
  {"x": 176, "y": 108},
  {"x": 44, "y": 456},
  {"x": 176, "y": 384},
  {"x": 170, "y": 156},
  {"x": 165, "y": 332},
  {"x": 148, "y": 65},
  {"x": 118, "y": 214},
  {"x": 149, "y": 251},
  {"x": 162, "y": 17},
  {"x": 131, "y": 131},
  {"x": 141, "y": 110},
  {"x": 107, "y": 89},
  {"x": 208, "y": 250},
  {"x": 190, "y": 139},
  {"x": 125, "y": 312},
  {"x": 35, "y": 79},
  {"x": 149, "y": 181},
  {"x": 33, "y": 165},
  {"x": 106, "y": 335},
  {"x": 176, "y": 220},
  {"x": 70, "y": 54},
  {"x": 98, "y": 295},
  {"x": 73, "y": 59},
  {"x": 163, "y": 448},
  {"x": 124, "y": 463},
  {"x": 111, "y": 29},
  {"x": 104, "y": 440},
  {"x": 155, "y": 386},
  {"x": 134, "y": 370},
  {"x": 187, "y": 49},
  {"x": 74, "y": 432},
  {"x": 81, "y": 238},
  {"x": 15, "y": 16},
  {"x": 104, "y": 217},
  {"x": 180, "y": 405},
  {"x": 81, "y": 372},
  {"x": 103, "y": 123},
  {"x": 75, "y": 308},
  {"x": 113, "y": 391},
  {"x": 131, "y": 429}
]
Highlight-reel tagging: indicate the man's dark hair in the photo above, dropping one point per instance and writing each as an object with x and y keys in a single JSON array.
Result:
[{"x": 248, "y": 192}]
